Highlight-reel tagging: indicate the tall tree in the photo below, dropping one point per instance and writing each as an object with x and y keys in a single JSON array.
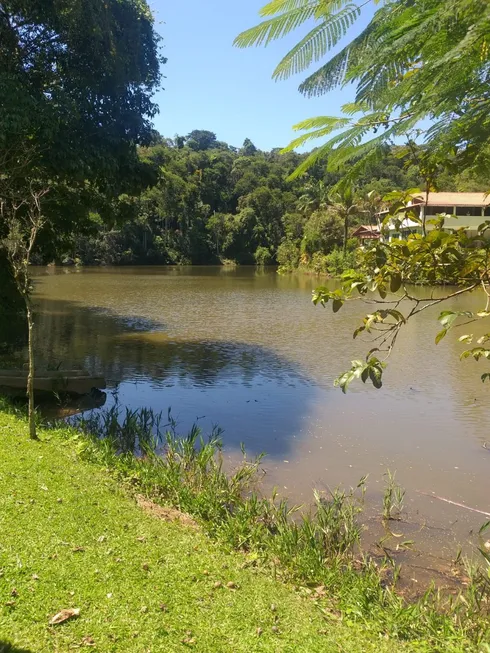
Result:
[
  {"x": 248, "y": 148},
  {"x": 344, "y": 206},
  {"x": 200, "y": 139},
  {"x": 76, "y": 85}
]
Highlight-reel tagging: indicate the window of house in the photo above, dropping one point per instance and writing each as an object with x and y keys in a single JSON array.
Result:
[
  {"x": 487, "y": 211},
  {"x": 436, "y": 210},
  {"x": 468, "y": 210}
]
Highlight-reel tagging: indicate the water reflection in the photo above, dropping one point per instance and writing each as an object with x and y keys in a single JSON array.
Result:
[
  {"x": 252, "y": 392},
  {"x": 247, "y": 350}
]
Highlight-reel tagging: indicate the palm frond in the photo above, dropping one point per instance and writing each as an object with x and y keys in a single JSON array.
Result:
[
  {"x": 345, "y": 147},
  {"x": 317, "y": 42},
  {"x": 373, "y": 84},
  {"x": 275, "y": 28},
  {"x": 353, "y": 172},
  {"x": 280, "y": 6},
  {"x": 350, "y": 108},
  {"x": 319, "y": 127},
  {"x": 355, "y": 150},
  {"x": 328, "y": 7},
  {"x": 333, "y": 73},
  {"x": 331, "y": 122},
  {"x": 317, "y": 155}
]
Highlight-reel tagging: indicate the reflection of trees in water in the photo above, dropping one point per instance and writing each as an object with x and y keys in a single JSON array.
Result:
[
  {"x": 124, "y": 348},
  {"x": 13, "y": 328}
]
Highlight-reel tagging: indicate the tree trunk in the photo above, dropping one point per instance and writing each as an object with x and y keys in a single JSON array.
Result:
[
  {"x": 30, "y": 376},
  {"x": 346, "y": 235}
]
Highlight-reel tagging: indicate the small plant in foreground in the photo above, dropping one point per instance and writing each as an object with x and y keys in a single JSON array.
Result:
[
  {"x": 393, "y": 498},
  {"x": 136, "y": 431}
]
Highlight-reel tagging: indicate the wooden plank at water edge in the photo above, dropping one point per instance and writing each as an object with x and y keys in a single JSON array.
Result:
[{"x": 74, "y": 382}]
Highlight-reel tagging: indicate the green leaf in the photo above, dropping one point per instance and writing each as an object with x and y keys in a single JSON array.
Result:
[
  {"x": 484, "y": 528},
  {"x": 317, "y": 42},
  {"x": 358, "y": 331},
  {"x": 337, "y": 305},
  {"x": 440, "y": 336},
  {"x": 344, "y": 380},
  {"x": 278, "y": 26},
  {"x": 396, "y": 282},
  {"x": 375, "y": 375}
]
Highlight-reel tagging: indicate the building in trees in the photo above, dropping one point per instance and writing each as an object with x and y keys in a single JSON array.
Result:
[{"x": 461, "y": 210}]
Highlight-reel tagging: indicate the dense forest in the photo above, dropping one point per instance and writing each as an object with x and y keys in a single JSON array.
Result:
[{"x": 208, "y": 202}]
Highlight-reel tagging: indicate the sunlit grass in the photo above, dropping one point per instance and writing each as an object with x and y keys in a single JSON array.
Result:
[{"x": 71, "y": 535}]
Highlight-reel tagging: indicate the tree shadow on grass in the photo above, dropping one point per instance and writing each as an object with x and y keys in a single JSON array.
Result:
[{"x": 6, "y": 647}]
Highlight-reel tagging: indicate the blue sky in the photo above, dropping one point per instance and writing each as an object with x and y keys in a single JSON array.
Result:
[{"x": 212, "y": 85}]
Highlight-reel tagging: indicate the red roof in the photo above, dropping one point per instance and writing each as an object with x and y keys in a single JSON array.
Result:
[{"x": 366, "y": 231}]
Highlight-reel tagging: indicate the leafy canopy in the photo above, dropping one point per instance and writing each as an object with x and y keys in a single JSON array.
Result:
[
  {"x": 415, "y": 60},
  {"x": 76, "y": 85}
]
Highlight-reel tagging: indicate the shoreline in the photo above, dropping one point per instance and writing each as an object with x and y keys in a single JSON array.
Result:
[{"x": 265, "y": 539}]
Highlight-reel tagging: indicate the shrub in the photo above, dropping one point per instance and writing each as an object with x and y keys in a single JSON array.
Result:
[
  {"x": 287, "y": 256},
  {"x": 262, "y": 256},
  {"x": 319, "y": 263},
  {"x": 337, "y": 263}
]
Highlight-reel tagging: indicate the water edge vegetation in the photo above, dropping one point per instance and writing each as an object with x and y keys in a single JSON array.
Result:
[{"x": 356, "y": 603}]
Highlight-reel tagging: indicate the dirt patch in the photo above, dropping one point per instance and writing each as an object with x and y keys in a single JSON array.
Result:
[{"x": 165, "y": 512}]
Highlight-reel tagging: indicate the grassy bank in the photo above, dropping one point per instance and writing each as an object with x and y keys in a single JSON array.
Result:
[{"x": 73, "y": 536}]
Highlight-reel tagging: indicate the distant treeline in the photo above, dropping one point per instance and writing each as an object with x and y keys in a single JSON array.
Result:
[{"x": 206, "y": 202}]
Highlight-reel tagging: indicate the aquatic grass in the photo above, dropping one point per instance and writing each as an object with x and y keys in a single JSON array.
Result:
[
  {"x": 478, "y": 595},
  {"x": 318, "y": 550},
  {"x": 393, "y": 498},
  {"x": 71, "y": 536},
  {"x": 136, "y": 430}
]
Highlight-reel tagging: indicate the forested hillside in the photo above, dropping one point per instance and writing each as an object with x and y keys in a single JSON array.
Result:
[{"x": 209, "y": 202}]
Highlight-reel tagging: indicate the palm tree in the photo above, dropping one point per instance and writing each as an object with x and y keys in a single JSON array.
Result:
[
  {"x": 315, "y": 197},
  {"x": 343, "y": 205}
]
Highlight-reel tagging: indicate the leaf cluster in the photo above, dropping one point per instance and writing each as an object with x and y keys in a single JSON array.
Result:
[{"x": 415, "y": 60}]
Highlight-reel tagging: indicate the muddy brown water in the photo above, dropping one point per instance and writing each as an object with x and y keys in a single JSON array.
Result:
[{"x": 246, "y": 349}]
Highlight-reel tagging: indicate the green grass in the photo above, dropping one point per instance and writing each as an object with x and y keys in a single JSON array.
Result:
[{"x": 72, "y": 536}]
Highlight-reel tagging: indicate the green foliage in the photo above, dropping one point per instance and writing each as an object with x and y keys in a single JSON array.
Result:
[
  {"x": 412, "y": 62},
  {"x": 200, "y": 139},
  {"x": 122, "y": 549},
  {"x": 287, "y": 256},
  {"x": 319, "y": 263},
  {"x": 248, "y": 148},
  {"x": 212, "y": 203},
  {"x": 76, "y": 81},
  {"x": 393, "y": 498},
  {"x": 338, "y": 263},
  {"x": 263, "y": 256},
  {"x": 387, "y": 269},
  {"x": 322, "y": 232}
]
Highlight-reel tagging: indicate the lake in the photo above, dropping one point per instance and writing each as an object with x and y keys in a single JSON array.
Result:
[{"x": 245, "y": 348}]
